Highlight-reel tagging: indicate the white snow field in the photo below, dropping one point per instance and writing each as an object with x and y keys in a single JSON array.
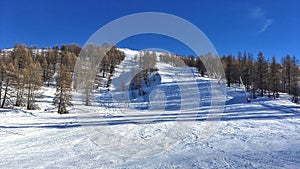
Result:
[{"x": 169, "y": 127}]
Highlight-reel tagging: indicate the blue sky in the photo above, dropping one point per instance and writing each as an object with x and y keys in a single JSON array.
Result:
[{"x": 269, "y": 26}]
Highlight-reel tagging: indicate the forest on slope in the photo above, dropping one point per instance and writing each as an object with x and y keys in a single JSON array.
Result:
[{"x": 24, "y": 70}]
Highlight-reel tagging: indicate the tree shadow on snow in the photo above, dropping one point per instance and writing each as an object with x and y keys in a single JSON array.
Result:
[{"x": 264, "y": 112}]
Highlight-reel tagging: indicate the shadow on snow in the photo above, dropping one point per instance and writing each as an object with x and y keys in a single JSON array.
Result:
[{"x": 264, "y": 112}]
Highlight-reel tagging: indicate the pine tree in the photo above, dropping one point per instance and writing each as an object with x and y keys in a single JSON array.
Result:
[
  {"x": 287, "y": 71},
  {"x": 261, "y": 71},
  {"x": 4, "y": 80},
  {"x": 6, "y": 84},
  {"x": 246, "y": 71},
  {"x": 235, "y": 74},
  {"x": 229, "y": 70},
  {"x": 21, "y": 57},
  {"x": 295, "y": 73},
  {"x": 239, "y": 67},
  {"x": 274, "y": 77},
  {"x": 51, "y": 61},
  {"x": 200, "y": 66},
  {"x": 32, "y": 83},
  {"x": 63, "y": 95},
  {"x": 43, "y": 63},
  {"x": 268, "y": 82},
  {"x": 2, "y": 76}
]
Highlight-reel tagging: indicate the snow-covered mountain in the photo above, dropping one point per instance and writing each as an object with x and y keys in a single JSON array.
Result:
[{"x": 169, "y": 127}]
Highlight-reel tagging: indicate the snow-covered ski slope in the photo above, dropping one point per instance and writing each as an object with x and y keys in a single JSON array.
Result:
[{"x": 163, "y": 129}]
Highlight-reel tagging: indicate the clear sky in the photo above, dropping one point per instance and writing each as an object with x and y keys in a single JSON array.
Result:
[{"x": 272, "y": 26}]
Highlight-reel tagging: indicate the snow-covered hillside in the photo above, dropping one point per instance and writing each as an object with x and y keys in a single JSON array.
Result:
[{"x": 169, "y": 127}]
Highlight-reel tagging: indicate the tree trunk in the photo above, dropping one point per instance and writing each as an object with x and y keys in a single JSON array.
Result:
[
  {"x": 5, "y": 95},
  {"x": 28, "y": 98}
]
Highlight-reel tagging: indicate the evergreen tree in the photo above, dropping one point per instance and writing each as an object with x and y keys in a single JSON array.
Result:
[
  {"x": 2, "y": 76},
  {"x": 200, "y": 66},
  {"x": 295, "y": 78},
  {"x": 6, "y": 78},
  {"x": 21, "y": 57},
  {"x": 229, "y": 69},
  {"x": 287, "y": 71},
  {"x": 43, "y": 63},
  {"x": 274, "y": 77},
  {"x": 239, "y": 67},
  {"x": 246, "y": 71},
  {"x": 32, "y": 83},
  {"x": 250, "y": 66},
  {"x": 261, "y": 72},
  {"x": 63, "y": 95}
]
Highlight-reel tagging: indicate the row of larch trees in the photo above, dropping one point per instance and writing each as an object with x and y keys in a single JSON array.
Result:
[
  {"x": 262, "y": 76},
  {"x": 26, "y": 69},
  {"x": 20, "y": 78}
]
